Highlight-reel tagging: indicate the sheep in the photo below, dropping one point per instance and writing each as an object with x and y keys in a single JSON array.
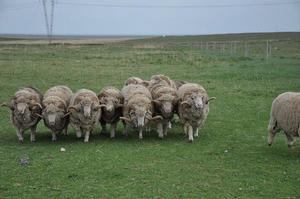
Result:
[
  {"x": 136, "y": 80},
  {"x": 285, "y": 115},
  {"x": 55, "y": 104},
  {"x": 85, "y": 112},
  {"x": 25, "y": 105},
  {"x": 193, "y": 108},
  {"x": 137, "y": 108},
  {"x": 163, "y": 91},
  {"x": 112, "y": 101}
]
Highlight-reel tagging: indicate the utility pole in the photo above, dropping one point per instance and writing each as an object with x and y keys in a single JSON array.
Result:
[{"x": 49, "y": 27}]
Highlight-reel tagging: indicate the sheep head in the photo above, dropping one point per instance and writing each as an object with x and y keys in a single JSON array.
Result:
[{"x": 86, "y": 106}]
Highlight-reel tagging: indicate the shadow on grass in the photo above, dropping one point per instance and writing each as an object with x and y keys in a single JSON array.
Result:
[{"x": 43, "y": 138}]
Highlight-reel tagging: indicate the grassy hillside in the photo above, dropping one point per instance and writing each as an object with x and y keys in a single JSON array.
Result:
[{"x": 230, "y": 159}]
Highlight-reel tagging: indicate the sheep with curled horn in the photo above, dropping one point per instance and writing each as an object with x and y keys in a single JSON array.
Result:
[
  {"x": 111, "y": 101},
  {"x": 193, "y": 108},
  {"x": 25, "y": 106},
  {"x": 55, "y": 106},
  {"x": 137, "y": 108},
  {"x": 285, "y": 116},
  {"x": 85, "y": 112},
  {"x": 163, "y": 91}
]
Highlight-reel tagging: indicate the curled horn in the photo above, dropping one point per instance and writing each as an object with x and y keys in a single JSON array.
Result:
[
  {"x": 68, "y": 113},
  {"x": 184, "y": 102},
  {"x": 125, "y": 119},
  {"x": 212, "y": 98},
  {"x": 39, "y": 115},
  {"x": 8, "y": 105},
  {"x": 102, "y": 105},
  {"x": 72, "y": 108},
  {"x": 36, "y": 104},
  {"x": 156, "y": 101},
  {"x": 158, "y": 117}
]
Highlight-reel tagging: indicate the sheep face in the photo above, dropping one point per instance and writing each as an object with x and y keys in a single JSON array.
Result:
[
  {"x": 165, "y": 107},
  {"x": 110, "y": 104},
  {"x": 24, "y": 109},
  {"x": 196, "y": 101},
  {"x": 54, "y": 115},
  {"x": 87, "y": 108},
  {"x": 139, "y": 116}
]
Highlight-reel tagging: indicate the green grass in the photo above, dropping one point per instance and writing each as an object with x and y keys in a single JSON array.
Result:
[{"x": 230, "y": 159}]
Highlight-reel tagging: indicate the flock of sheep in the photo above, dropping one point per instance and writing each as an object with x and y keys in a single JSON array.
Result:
[{"x": 137, "y": 104}]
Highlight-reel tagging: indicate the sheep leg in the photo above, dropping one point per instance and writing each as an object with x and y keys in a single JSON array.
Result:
[
  {"x": 290, "y": 140},
  {"x": 165, "y": 128},
  {"x": 169, "y": 125},
  {"x": 160, "y": 130},
  {"x": 141, "y": 133},
  {"x": 20, "y": 134},
  {"x": 33, "y": 132},
  {"x": 87, "y": 136},
  {"x": 78, "y": 131},
  {"x": 103, "y": 127},
  {"x": 190, "y": 131},
  {"x": 113, "y": 130},
  {"x": 196, "y": 133},
  {"x": 185, "y": 129},
  {"x": 54, "y": 137},
  {"x": 66, "y": 130}
]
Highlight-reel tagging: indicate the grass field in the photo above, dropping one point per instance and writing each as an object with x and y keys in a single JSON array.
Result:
[{"x": 230, "y": 159}]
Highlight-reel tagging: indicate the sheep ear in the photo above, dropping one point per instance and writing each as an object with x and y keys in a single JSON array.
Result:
[
  {"x": 125, "y": 119},
  {"x": 212, "y": 98}
]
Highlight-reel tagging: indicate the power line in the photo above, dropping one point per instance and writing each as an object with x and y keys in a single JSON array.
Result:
[
  {"x": 176, "y": 6},
  {"x": 49, "y": 28}
]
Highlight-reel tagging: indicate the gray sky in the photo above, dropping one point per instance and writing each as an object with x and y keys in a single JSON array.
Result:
[{"x": 144, "y": 17}]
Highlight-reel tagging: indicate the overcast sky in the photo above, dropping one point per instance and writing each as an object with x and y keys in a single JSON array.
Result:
[{"x": 144, "y": 17}]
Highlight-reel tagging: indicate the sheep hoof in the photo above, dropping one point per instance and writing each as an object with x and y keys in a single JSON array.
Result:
[
  {"x": 191, "y": 141},
  {"x": 290, "y": 145},
  {"x": 21, "y": 141},
  {"x": 270, "y": 144}
]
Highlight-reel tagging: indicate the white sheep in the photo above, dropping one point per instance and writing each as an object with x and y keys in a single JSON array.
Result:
[
  {"x": 193, "y": 108},
  {"x": 25, "y": 107},
  {"x": 85, "y": 112},
  {"x": 285, "y": 115}
]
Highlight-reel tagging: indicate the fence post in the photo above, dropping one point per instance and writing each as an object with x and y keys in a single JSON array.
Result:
[{"x": 267, "y": 50}]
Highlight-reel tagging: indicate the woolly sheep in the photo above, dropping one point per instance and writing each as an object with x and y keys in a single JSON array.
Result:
[
  {"x": 137, "y": 108},
  {"x": 163, "y": 92},
  {"x": 193, "y": 108},
  {"x": 85, "y": 111},
  {"x": 25, "y": 105},
  {"x": 112, "y": 101},
  {"x": 55, "y": 104},
  {"x": 285, "y": 115}
]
